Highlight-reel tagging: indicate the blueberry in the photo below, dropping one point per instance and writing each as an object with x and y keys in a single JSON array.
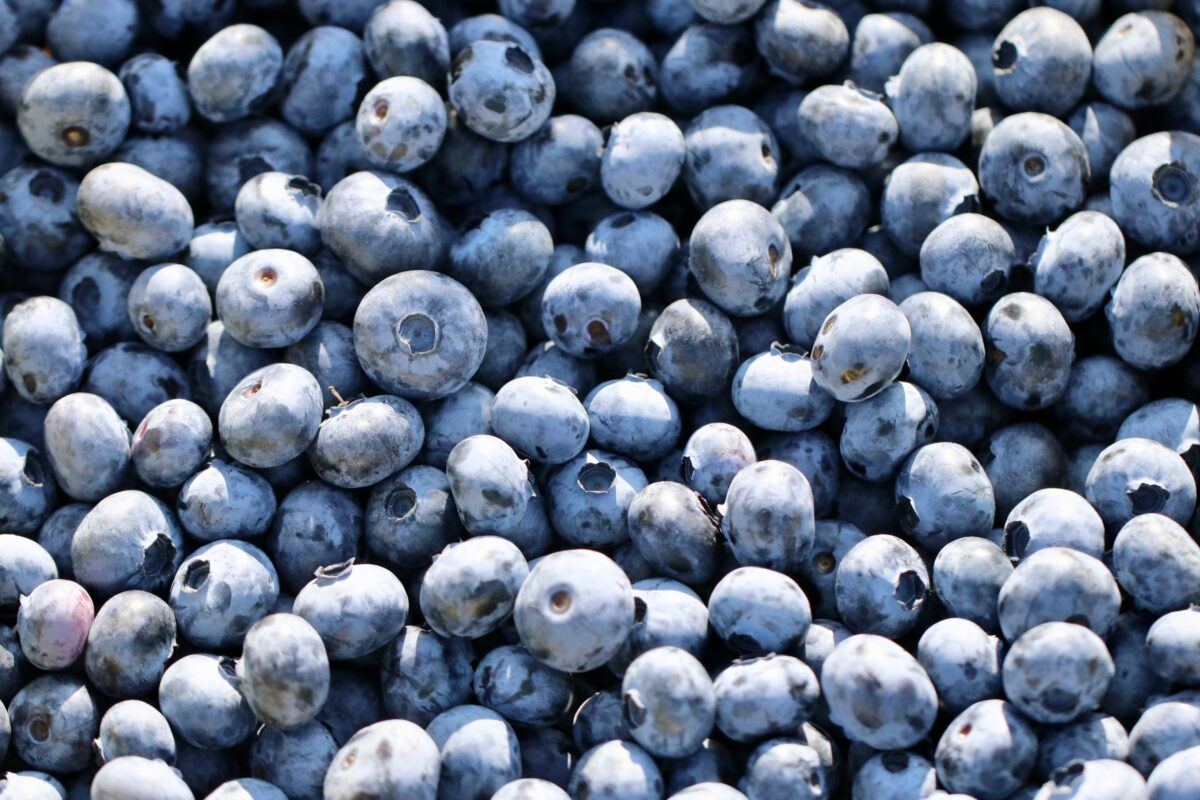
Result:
[
  {"x": 1143, "y": 59},
  {"x": 246, "y": 789},
  {"x": 97, "y": 289},
  {"x": 500, "y": 90},
  {"x": 270, "y": 298},
  {"x": 1020, "y": 459},
  {"x": 707, "y": 64},
  {"x": 58, "y": 530},
  {"x": 641, "y": 160},
  {"x": 859, "y": 357},
  {"x": 1058, "y": 584},
  {"x": 133, "y": 777},
  {"x": 1030, "y": 349},
  {"x": 213, "y": 247},
  {"x": 354, "y": 702},
  {"x": 881, "y": 586},
  {"x": 44, "y": 353},
  {"x": 779, "y": 768},
  {"x": 590, "y": 309},
  {"x": 713, "y": 455},
  {"x": 502, "y": 257},
  {"x": 988, "y": 750},
  {"x": 1174, "y": 779},
  {"x": 356, "y": 608},
  {"x": 224, "y": 500},
  {"x": 633, "y": 417},
  {"x": 1140, "y": 476},
  {"x": 235, "y": 73},
  {"x": 530, "y": 789},
  {"x": 1154, "y": 312},
  {"x": 1042, "y": 61},
  {"x": 403, "y": 38},
  {"x": 284, "y": 671},
  {"x": 675, "y": 532},
  {"x": 479, "y": 752},
  {"x": 53, "y": 623},
  {"x": 134, "y": 378},
  {"x": 895, "y": 774},
  {"x": 800, "y": 41},
  {"x": 490, "y": 484},
  {"x": 1054, "y": 518},
  {"x": 666, "y": 614},
  {"x": 599, "y": 719},
  {"x": 827, "y": 282},
  {"x": 731, "y": 155},
  {"x": 541, "y": 418},
  {"x": 768, "y": 515},
  {"x": 759, "y": 697},
  {"x": 365, "y": 440},
  {"x": 129, "y": 644},
  {"x": 1033, "y": 168},
  {"x": 669, "y": 702},
  {"x": 411, "y": 517},
  {"x": 609, "y": 75},
  {"x": 1157, "y": 563},
  {"x": 848, "y": 126},
  {"x": 271, "y": 415},
  {"x": 1057, "y": 671},
  {"x": 879, "y": 433},
  {"x": 135, "y": 728},
  {"x": 923, "y": 192},
  {"x": 220, "y": 590},
  {"x": 27, "y": 487},
  {"x": 15, "y": 784},
  {"x": 244, "y": 149},
  {"x": 1092, "y": 737},
  {"x": 169, "y": 307},
  {"x": 18, "y": 67},
  {"x": 316, "y": 525},
  {"x": 1167, "y": 725},
  {"x": 513, "y": 683},
  {"x": 559, "y": 162},
  {"x": 39, "y": 222},
  {"x": 73, "y": 114},
  {"x": 466, "y": 412},
  {"x": 472, "y": 586},
  {"x": 823, "y": 208},
  {"x": 758, "y": 611},
  {"x": 198, "y": 694},
  {"x": 1171, "y": 421},
  {"x": 880, "y": 44},
  {"x": 1078, "y": 263},
  {"x": 158, "y": 96},
  {"x": 616, "y": 771},
  {"x": 727, "y": 13},
  {"x": 968, "y": 257},
  {"x": 932, "y": 98},
  {"x": 389, "y": 756},
  {"x": 490, "y": 27},
  {"x": 423, "y": 675},
  {"x": 692, "y": 350},
  {"x": 1088, "y": 417},
  {"x": 129, "y": 540},
  {"x": 878, "y": 693},
  {"x": 133, "y": 213},
  {"x": 574, "y": 610},
  {"x": 54, "y": 719},
  {"x": 1170, "y": 643}
]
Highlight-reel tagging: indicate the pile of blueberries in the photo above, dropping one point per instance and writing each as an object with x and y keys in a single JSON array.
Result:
[{"x": 599, "y": 400}]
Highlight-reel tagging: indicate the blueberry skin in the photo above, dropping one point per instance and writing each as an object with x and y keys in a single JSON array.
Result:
[
  {"x": 848, "y": 126},
  {"x": 1092, "y": 737},
  {"x": 590, "y": 309},
  {"x": 472, "y": 586},
  {"x": 22, "y": 63},
  {"x": 502, "y": 257},
  {"x": 133, "y": 213},
  {"x": 779, "y": 769},
  {"x": 616, "y": 771},
  {"x": 1170, "y": 421},
  {"x": 878, "y": 693},
  {"x": 501, "y": 90},
  {"x": 158, "y": 96},
  {"x": 758, "y": 611},
  {"x": 530, "y": 789},
  {"x": 213, "y": 247},
  {"x": 1030, "y": 350},
  {"x": 541, "y": 418},
  {"x": 633, "y": 417},
  {"x": 768, "y": 515},
  {"x": 1153, "y": 313},
  {"x": 465, "y": 166},
  {"x": 295, "y": 760},
  {"x": 932, "y": 98},
  {"x": 479, "y": 752},
  {"x": 390, "y": 757},
  {"x": 27, "y": 488},
  {"x": 827, "y": 282},
  {"x": 53, "y": 622},
  {"x": 879, "y": 433},
  {"x": 117, "y": 778},
  {"x": 692, "y": 350},
  {"x": 548, "y": 360},
  {"x": 135, "y": 728},
  {"x": 946, "y": 356},
  {"x": 327, "y": 351},
  {"x": 1157, "y": 563},
  {"x": 402, "y": 38},
  {"x": 26, "y": 566},
  {"x": 411, "y": 517},
  {"x": 73, "y": 114},
  {"x": 832, "y": 540},
  {"x": 731, "y": 154},
  {"x": 97, "y": 289},
  {"x": 246, "y": 789},
  {"x": 420, "y": 335},
  {"x": 944, "y": 494},
  {"x": 365, "y": 440},
  {"x": 1175, "y": 778},
  {"x": 641, "y": 159},
  {"x": 599, "y": 719},
  {"x": 893, "y": 775},
  {"x": 30, "y": 787},
  {"x": 129, "y": 540},
  {"x": 204, "y": 770},
  {"x": 320, "y": 79},
  {"x": 589, "y": 498},
  {"x": 271, "y": 415},
  {"x": 1105, "y": 131},
  {"x": 490, "y": 484},
  {"x": 574, "y": 610},
  {"x": 727, "y": 13},
  {"x": 1166, "y": 726},
  {"x": 466, "y": 412},
  {"x": 666, "y": 613},
  {"x": 56, "y": 534},
  {"x": 1143, "y": 59},
  {"x": 1020, "y": 459},
  {"x": 760, "y": 697},
  {"x": 1054, "y": 518},
  {"x": 317, "y": 524},
  {"x": 641, "y": 244},
  {"x": 1088, "y": 417},
  {"x": 513, "y": 683},
  {"x": 968, "y": 257},
  {"x": 1140, "y": 476},
  {"x": 814, "y": 454},
  {"x": 270, "y": 298},
  {"x": 588, "y": 75},
  {"x": 1057, "y": 671},
  {"x": 134, "y": 378},
  {"x": 277, "y": 210},
  {"x": 171, "y": 443},
  {"x": 220, "y": 590},
  {"x": 923, "y": 192},
  {"x": 224, "y": 500},
  {"x": 799, "y": 41},
  {"x": 129, "y": 644},
  {"x": 356, "y": 608},
  {"x": 707, "y": 65},
  {"x": 423, "y": 675},
  {"x": 401, "y": 142},
  {"x": 199, "y": 695},
  {"x": 963, "y": 662},
  {"x": 1042, "y": 61},
  {"x": 740, "y": 256},
  {"x": 675, "y": 532},
  {"x": 242, "y": 150},
  {"x": 284, "y": 671},
  {"x": 506, "y": 348},
  {"x": 379, "y": 224},
  {"x": 44, "y": 353},
  {"x": 1078, "y": 263},
  {"x": 1171, "y": 642},
  {"x": 169, "y": 307},
  {"x": 559, "y": 162},
  {"x": 342, "y": 292},
  {"x": 1033, "y": 168},
  {"x": 859, "y": 357},
  {"x": 354, "y": 702},
  {"x": 881, "y": 586},
  {"x": 235, "y": 73},
  {"x": 54, "y": 718},
  {"x": 492, "y": 27},
  {"x": 1055, "y": 585},
  {"x": 713, "y": 455},
  {"x": 988, "y": 750},
  {"x": 879, "y": 45},
  {"x": 669, "y": 702}
]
